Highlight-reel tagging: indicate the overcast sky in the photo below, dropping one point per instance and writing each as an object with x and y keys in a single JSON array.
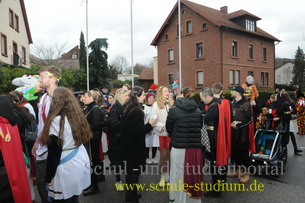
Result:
[{"x": 62, "y": 21}]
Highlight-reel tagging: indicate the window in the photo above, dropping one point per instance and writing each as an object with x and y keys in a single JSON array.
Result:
[
  {"x": 170, "y": 79},
  {"x": 199, "y": 51},
  {"x": 178, "y": 30},
  {"x": 204, "y": 26},
  {"x": 166, "y": 37},
  {"x": 264, "y": 54},
  {"x": 171, "y": 56},
  {"x": 199, "y": 78},
  {"x": 3, "y": 45},
  {"x": 250, "y": 25},
  {"x": 23, "y": 55},
  {"x": 234, "y": 77},
  {"x": 264, "y": 79},
  {"x": 188, "y": 27},
  {"x": 74, "y": 56},
  {"x": 250, "y": 73},
  {"x": 11, "y": 18},
  {"x": 250, "y": 51},
  {"x": 234, "y": 49},
  {"x": 16, "y": 23}
]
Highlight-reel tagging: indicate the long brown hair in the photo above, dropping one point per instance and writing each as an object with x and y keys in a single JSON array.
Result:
[{"x": 65, "y": 104}]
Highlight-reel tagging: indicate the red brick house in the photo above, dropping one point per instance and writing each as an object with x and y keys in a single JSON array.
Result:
[
  {"x": 217, "y": 46},
  {"x": 146, "y": 78}
]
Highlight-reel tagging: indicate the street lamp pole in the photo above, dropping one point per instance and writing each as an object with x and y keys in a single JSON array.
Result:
[
  {"x": 179, "y": 44},
  {"x": 87, "y": 47},
  {"x": 131, "y": 33}
]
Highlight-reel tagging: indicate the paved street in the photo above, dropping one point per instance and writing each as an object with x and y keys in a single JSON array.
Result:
[{"x": 287, "y": 188}]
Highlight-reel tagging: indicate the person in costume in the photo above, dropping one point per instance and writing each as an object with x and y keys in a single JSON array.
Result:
[
  {"x": 218, "y": 151},
  {"x": 151, "y": 139},
  {"x": 48, "y": 80},
  {"x": 14, "y": 185},
  {"x": 300, "y": 111},
  {"x": 93, "y": 116},
  {"x": 183, "y": 124},
  {"x": 261, "y": 119},
  {"x": 65, "y": 131},
  {"x": 242, "y": 135},
  {"x": 133, "y": 131},
  {"x": 160, "y": 110},
  {"x": 250, "y": 90},
  {"x": 114, "y": 152}
]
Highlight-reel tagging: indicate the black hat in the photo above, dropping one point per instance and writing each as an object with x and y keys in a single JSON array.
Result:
[
  {"x": 104, "y": 86},
  {"x": 238, "y": 89}
]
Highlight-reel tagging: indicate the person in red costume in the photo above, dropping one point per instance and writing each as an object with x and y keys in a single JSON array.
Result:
[
  {"x": 219, "y": 136},
  {"x": 14, "y": 185}
]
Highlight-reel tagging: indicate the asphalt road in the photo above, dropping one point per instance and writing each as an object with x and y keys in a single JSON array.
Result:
[{"x": 289, "y": 187}]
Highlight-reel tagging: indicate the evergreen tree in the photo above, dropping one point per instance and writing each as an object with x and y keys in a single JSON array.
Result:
[
  {"x": 299, "y": 70},
  {"x": 82, "y": 52},
  {"x": 99, "y": 71}
]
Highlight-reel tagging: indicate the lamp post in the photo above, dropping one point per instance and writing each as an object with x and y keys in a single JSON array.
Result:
[
  {"x": 131, "y": 34},
  {"x": 179, "y": 44},
  {"x": 87, "y": 47}
]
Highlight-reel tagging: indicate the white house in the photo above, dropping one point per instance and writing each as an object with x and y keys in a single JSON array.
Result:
[
  {"x": 124, "y": 77},
  {"x": 283, "y": 73},
  {"x": 15, "y": 35}
]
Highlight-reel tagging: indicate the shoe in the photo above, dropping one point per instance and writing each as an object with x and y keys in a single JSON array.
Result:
[
  {"x": 298, "y": 151},
  {"x": 155, "y": 161},
  {"x": 85, "y": 190},
  {"x": 91, "y": 191},
  {"x": 119, "y": 186},
  {"x": 233, "y": 174},
  {"x": 213, "y": 194},
  {"x": 244, "y": 178},
  {"x": 148, "y": 161},
  {"x": 129, "y": 199}
]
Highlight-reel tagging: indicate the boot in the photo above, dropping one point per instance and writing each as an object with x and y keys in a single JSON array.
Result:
[
  {"x": 244, "y": 178},
  {"x": 91, "y": 191},
  {"x": 233, "y": 174}
]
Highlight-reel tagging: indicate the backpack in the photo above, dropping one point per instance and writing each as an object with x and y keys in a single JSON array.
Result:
[{"x": 31, "y": 131}]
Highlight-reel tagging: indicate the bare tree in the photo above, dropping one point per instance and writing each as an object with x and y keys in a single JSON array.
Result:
[
  {"x": 120, "y": 64},
  {"x": 51, "y": 53}
]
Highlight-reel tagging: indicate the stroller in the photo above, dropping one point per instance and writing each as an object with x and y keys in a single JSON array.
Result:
[{"x": 270, "y": 153}]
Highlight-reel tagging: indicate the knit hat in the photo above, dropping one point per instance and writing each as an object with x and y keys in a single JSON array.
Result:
[
  {"x": 238, "y": 89},
  {"x": 249, "y": 78},
  {"x": 149, "y": 95}
]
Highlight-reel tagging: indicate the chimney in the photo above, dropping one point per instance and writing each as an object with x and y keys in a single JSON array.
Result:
[{"x": 224, "y": 9}]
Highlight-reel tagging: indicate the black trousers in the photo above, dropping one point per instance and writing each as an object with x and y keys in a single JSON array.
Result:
[
  {"x": 6, "y": 195},
  {"x": 241, "y": 158},
  {"x": 132, "y": 179},
  {"x": 96, "y": 165}
]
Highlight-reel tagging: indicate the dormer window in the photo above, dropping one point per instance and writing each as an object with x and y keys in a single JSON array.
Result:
[
  {"x": 250, "y": 25},
  {"x": 74, "y": 56}
]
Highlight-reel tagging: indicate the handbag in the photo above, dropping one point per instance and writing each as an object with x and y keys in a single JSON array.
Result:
[{"x": 205, "y": 138}]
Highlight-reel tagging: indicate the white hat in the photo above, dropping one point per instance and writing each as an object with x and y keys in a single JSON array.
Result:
[{"x": 249, "y": 79}]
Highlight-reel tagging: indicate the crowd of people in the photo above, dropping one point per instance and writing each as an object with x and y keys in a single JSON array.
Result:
[{"x": 74, "y": 132}]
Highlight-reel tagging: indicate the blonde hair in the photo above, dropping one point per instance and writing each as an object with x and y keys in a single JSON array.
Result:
[
  {"x": 119, "y": 95},
  {"x": 94, "y": 94},
  {"x": 160, "y": 100}
]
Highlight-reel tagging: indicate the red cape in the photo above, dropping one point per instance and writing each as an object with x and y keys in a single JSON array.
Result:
[
  {"x": 223, "y": 145},
  {"x": 14, "y": 162}
]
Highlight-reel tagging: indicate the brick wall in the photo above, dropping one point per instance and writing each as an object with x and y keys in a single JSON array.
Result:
[{"x": 211, "y": 64}]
